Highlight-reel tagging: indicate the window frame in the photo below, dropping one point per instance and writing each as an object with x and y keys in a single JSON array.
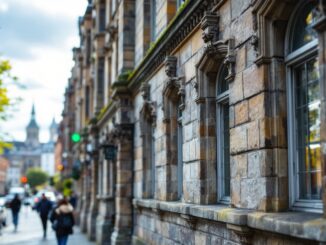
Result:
[
  {"x": 153, "y": 20},
  {"x": 152, "y": 162},
  {"x": 292, "y": 60},
  {"x": 179, "y": 116},
  {"x": 222, "y": 99}
]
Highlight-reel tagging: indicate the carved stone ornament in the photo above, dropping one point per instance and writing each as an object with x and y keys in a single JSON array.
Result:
[
  {"x": 209, "y": 25},
  {"x": 244, "y": 233},
  {"x": 320, "y": 14},
  {"x": 122, "y": 132},
  {"x": 215, "y": 55},
  {"x": 174, "y": 88},
  {"x": 148, "y": 110},
  {"x": 112, "y": 30}
]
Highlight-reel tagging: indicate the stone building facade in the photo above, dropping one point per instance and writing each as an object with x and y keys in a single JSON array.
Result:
[{"x": 203, "y": 122}]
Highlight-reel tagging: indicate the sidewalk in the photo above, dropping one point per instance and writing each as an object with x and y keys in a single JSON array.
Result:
[{"x": 30, "y": 232}]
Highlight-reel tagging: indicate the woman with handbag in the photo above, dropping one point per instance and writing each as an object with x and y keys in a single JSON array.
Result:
[{"x": 62, "y": 221}]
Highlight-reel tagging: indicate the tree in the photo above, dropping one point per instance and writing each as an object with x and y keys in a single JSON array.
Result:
[
  {"x": 36, "y": 176},
  {"x": 6, "y": 79}
]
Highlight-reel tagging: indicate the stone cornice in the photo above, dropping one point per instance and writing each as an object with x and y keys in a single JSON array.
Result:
[{"x": 183, "y": 24}]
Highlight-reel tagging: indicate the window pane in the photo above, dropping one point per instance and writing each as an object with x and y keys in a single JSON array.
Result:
[
  {"x": 226, "y": 149},
  {"x": 180, "y": 153},
  {"x": 307, "y": 110},
  {"x": 303, "y": 31},
  {"x": 222, "y": 84}
]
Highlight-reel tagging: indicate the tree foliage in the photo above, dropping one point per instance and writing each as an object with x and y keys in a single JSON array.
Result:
[
  {"x": 6, "y": 103},
  {"x": 36, "y": 176}
]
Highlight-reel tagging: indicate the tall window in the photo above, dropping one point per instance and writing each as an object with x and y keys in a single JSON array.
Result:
[
  {"x": 304, "y": 112},
  {"x": 223, "y": 136},
  {"x": 180, "y": 152},
  {"x": 153, "y": 20},
  {"x": 88, "y": 47},
  {"x": 152, "y": 160},
  {"x": 102, "y": 18},
  {"x": 113, "y": 7},
  {"x": 87, "y": 101},
  {"x": 100, "y": 81}
]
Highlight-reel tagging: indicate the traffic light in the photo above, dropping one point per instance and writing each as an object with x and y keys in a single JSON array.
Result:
[
  {"x": 60, "y": 167},
  {"x": 75, "y": 137},
  {"x": 23, "y": 179}
]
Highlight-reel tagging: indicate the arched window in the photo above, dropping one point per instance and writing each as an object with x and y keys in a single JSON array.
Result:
[
  {"x": 303, "y": 91},
  {"x": 223, "y": 136}
]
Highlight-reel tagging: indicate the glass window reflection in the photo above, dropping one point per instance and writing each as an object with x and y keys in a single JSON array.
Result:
[{"x": 307, "y": 104}]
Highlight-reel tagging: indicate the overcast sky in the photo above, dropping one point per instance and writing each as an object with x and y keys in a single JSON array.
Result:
[{"x": 38, "y": 36}]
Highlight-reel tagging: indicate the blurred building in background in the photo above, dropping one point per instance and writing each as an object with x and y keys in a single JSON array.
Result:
[
  {"x": 202, "y": 122},
  {"x": 4, "y": 164},
  {"x": 30, "y": 153}
]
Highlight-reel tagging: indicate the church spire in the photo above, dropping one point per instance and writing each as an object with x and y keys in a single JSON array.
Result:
[
  {"x": 33, "y": 112},
  {"x": 32, "y": 122},
  {"x": 32, "y": 130}
]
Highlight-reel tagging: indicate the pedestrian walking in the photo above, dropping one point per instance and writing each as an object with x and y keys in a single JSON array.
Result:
[
  {"x": 15, "y": 205},
  {"x": 44, "y": 207},
  {"x": 73, "y": 200},
  {"x": 62, "y": 221}
]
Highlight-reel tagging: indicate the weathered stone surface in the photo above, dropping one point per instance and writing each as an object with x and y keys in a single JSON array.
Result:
[
  {"x": 238, "y": 139},
  {"x": 253, "y": 135},
  {"x": 241, "y": 112},
  {"x": 236, "y": 89},
  {"x": 254, "y": 80}
]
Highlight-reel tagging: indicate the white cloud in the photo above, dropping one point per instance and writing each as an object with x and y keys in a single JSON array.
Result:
[
  {"x": 3, "y": 7},
  {"x": 41, "y": 57}
]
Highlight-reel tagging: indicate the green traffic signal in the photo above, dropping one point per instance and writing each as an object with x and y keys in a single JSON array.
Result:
[{"x": 75, "y": 137}]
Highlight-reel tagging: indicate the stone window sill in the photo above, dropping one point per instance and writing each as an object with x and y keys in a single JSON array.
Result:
[
  {"x": 309, "y": 226},
  {"x": 297, "y": 224},
  {"x": 221, "y": 213}
]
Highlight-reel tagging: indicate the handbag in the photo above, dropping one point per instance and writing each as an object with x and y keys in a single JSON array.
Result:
[{"x": 55, "y": 225}]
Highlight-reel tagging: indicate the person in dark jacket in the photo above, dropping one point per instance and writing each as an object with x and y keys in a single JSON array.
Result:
[
  {"x": 15, "y": 205},
  {"x": 62, "y": 221},
  {"x": 44, "y": 207}
]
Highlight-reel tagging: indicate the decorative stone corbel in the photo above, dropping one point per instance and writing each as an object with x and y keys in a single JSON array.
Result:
[
  {"x": 159, "y": 212},
  {"x": 192, "y": 221},
  {"x": 229, "y": 60},
  {"x": 173, "y": 83},
  {"x": 320, "y": 24},
  {"x": 209, "y": 25},
  {"x": 149, "y": 107},
  {"x": 122, "y": 132},
  {"x": 244, "y": 233},
  {"x": 216, "y": 50},
  {"x": 215, "y": 54},
  {"x": 112, "y": 29}
]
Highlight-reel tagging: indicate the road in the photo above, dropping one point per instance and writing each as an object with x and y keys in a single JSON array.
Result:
[{"x": 30, "y": 232}]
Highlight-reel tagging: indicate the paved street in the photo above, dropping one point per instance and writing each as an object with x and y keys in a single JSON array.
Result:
[{"x": 30, "y": 232}]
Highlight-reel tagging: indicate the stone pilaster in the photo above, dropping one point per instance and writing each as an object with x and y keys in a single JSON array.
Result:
[
  {"x": 124, "y": 178},
  {"x": 91, "y": 219},
  {"x": 321, "y": 29},
  {"x": 85, "y": 199},
  {"x": 105, "y": 218}
]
